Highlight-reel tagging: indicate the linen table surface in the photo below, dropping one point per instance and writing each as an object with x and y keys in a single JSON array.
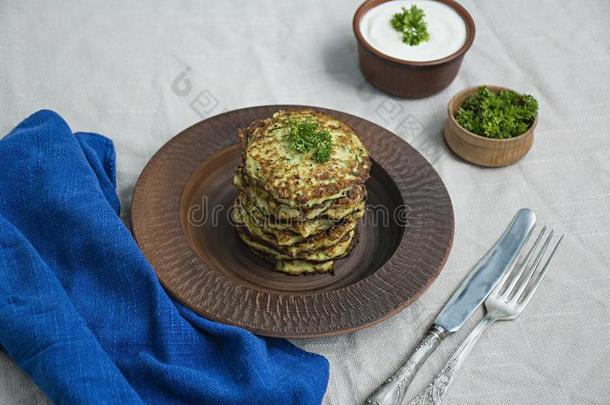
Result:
[{"x": 141, "y": 71}]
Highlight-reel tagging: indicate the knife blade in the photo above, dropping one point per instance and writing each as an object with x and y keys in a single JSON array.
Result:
[
  {"x": 484, "y": 277},
  {"x": 470, "y": 294}
]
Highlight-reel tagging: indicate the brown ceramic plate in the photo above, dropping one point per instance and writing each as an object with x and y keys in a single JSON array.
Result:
[{"x": 180, "y": 220}]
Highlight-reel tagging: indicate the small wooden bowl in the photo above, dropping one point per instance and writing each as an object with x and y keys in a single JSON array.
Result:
[
  {"x": 477, "y": 149},
  {"x": 409, "y": 79}
]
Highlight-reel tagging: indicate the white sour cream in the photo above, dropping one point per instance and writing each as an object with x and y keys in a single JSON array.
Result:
[{"x": 447, "y": 30}]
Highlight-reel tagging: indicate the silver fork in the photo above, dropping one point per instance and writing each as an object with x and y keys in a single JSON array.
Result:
[{"x": 505, "y": 303}]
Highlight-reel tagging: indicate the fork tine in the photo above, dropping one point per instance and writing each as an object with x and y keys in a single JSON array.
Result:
[
  {"x": 516, "y": 274},
  {"x": 506, "y": 277},
  {"x": 514, "y": 295},
  {"x": 540, "y": 276}
]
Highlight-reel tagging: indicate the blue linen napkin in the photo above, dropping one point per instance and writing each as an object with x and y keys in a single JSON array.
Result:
[{"x": 81, "y": 310}]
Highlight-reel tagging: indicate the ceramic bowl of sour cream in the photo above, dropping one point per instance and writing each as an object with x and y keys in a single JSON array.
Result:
[{"x": 412, "y": 71}]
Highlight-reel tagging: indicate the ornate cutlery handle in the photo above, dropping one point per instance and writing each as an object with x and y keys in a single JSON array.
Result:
[
  {"x": 437, "y": 389},
  {"x": 393, "y": 390}
]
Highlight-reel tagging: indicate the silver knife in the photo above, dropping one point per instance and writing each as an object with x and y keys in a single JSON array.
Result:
[{"x": 473, "y": 290}]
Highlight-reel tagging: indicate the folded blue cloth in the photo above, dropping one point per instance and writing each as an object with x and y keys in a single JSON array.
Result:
[{"x": 81, "y": 310}]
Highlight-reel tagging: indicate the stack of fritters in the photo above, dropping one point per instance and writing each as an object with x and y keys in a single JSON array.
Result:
[{"x": 292, "y": 210}]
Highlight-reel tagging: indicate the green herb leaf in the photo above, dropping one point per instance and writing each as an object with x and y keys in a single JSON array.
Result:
[
  {"x": 304, "y": 136},
  {"x": 412, "y": 25},
  {"x": 501, "y": 115}
]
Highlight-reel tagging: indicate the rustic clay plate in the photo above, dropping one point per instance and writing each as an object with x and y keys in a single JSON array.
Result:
[{"x": 180, "y": 218}]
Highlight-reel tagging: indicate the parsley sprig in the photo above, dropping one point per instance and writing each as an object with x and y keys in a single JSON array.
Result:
[
  {"x": 503, "y": 114},
  {"x": 304, "y": 136},
  {"x": 412, "y": 25}
]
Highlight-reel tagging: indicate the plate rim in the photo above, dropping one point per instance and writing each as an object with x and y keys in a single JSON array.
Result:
[{"x": 149, "y": 171}]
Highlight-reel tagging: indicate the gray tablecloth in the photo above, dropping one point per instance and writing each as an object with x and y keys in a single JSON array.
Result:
[{"x": 109, "y": 67}]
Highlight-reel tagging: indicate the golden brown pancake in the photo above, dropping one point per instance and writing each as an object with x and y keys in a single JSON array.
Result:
[
  {"x": 294, "y": 178},
  {"x": 296, "y": 212}
]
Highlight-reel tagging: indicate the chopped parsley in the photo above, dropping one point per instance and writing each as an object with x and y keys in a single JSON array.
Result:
[
  {"x": 304, "y": 136},
  {"x": 501, "y": 115},
  {"x": 412, "y": 25}
]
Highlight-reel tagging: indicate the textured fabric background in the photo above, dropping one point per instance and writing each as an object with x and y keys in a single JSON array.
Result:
[{"x": 110, "y": 66}]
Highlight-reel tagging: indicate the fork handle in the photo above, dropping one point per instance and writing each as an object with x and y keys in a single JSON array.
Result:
[
  {"x": 393, "y": 390},
  {"x": 434, "y": 393}
]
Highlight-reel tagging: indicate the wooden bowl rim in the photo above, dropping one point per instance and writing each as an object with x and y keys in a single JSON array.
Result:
[
  {"x": 369, "y": 4},
  {"x": 494, "y": 88}
]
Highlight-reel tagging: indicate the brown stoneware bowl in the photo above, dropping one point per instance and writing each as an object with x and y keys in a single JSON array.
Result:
[
  {"x": 477, "y": 149},
  {"x": 406, "y": 78}
]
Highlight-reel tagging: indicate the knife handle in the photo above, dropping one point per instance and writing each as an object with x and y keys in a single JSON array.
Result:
[
  {"x": 393, "y": 390},
  {"x": 436, "y": 390}
]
